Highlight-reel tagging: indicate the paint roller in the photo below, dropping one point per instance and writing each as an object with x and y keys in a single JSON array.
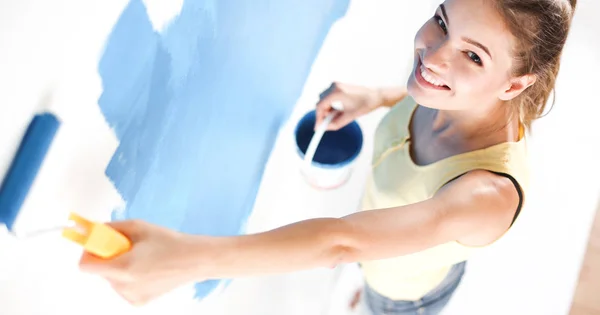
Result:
[{"x": 96, "y": 238}]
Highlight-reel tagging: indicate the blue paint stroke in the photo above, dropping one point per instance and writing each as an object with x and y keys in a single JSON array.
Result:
[{"x": 197, "y": 108}]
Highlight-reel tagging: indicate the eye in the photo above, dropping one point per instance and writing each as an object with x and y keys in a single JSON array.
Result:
[
  {"x": 441, "y": 23},
  {"x": 473, "y": 56}
]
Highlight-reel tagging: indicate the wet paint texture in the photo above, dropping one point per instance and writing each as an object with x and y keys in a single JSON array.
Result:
[{"x": 197, "y": 108}]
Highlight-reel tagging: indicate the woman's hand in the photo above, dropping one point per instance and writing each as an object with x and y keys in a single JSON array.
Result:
[
  {"x": 159, "y": 261},
  {"x": 356, "y": 101}
]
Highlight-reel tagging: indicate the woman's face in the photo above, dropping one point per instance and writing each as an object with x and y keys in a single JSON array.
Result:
[{"x": 462, "y": 58}]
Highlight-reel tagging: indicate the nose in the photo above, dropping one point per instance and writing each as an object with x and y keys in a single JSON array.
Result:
[{"x": 437, "y": 58}]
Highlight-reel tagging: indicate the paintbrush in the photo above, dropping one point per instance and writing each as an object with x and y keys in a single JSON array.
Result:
[{"x": 319, "y": 133}]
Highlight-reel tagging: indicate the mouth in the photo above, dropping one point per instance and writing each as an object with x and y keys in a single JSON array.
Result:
[{"x": 429, "y": 80}]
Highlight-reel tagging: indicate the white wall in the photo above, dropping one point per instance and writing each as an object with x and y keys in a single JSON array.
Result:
[{"x": 52, "y": 48}]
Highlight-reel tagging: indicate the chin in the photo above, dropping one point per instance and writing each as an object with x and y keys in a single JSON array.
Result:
[{"x": 416, "y": 92}]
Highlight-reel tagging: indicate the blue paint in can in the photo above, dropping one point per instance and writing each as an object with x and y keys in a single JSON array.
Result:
[{"x": 335, "y": 153}]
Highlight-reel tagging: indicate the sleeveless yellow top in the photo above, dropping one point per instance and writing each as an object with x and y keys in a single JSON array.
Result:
[{"x": 396, "y": 181}]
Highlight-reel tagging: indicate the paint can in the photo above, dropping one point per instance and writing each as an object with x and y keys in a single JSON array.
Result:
[{"x": 335, "y": 156}]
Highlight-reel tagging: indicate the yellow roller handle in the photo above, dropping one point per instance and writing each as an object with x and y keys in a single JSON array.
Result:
[{"x": 96, "y": 238}]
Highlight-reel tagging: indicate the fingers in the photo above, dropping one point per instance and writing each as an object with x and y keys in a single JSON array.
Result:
[
  {"x": 324, "y": 107},
  {"x": 339, "y": 122},
  {"x": 325, "y": 100},
  {"x": 321, "y": 117},
  {"x": 129, "y": 294},
  {"x": 332, "y": 88},
  {"x": 118, "y": 274},
  {"x": 336, "y": 93},
  {"x": 109, "y": 268},
  {"x": 116, "y": 267}
]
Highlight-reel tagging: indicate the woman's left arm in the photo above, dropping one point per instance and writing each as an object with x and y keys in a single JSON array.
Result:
[{"x": 474, "y": 209}]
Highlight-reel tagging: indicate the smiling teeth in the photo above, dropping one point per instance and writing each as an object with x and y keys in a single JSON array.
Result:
[{"x": 429, "y": 78}]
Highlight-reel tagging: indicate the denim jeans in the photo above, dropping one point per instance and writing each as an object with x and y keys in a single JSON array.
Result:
[{"x": 430, "y": 304}]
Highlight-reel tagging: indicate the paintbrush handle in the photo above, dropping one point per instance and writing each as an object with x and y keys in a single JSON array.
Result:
[{"x": 316, "y": 139}]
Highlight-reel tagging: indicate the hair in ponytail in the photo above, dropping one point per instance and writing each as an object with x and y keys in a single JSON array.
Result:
[{"x": 541, "y": 28}]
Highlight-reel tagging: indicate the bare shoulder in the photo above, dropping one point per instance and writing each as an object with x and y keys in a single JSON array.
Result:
[
  {"x": 484, "y": 184},
  {"x": 479, "y": 202}
]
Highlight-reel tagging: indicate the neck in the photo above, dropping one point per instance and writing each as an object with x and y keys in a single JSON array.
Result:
[{"x": 497, "y": 123}]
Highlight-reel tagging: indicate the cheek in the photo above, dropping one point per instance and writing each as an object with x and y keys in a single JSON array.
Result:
[
  {"x": 470, "y": 81},
  {"x": 467, "y": 81},
  {"x": 475, "y": 85}
]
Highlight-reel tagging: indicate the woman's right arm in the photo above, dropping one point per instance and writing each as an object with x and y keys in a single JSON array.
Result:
[
  {"x": 388, "y": 97},
  {"x": 356, "y": 100}
]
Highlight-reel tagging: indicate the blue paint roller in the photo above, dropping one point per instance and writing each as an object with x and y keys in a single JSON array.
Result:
[
  {"x": 96, "y": 238},
  {"x": 25, "y": 166}
]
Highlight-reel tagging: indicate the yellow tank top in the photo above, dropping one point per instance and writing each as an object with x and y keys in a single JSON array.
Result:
[{"x": 396, "y": 180}]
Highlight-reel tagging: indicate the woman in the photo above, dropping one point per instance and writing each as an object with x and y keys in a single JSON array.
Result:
[{"x": 448, "y": 174}]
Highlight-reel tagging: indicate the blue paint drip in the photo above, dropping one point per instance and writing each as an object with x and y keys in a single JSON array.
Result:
[{"x": 197, "y": 109}]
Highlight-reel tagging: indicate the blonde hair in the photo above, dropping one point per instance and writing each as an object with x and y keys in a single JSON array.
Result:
[{"x": 541, "y": 28}]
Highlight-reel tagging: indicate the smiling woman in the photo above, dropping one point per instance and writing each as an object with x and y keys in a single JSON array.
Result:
[{"x": 448, "y": 176}]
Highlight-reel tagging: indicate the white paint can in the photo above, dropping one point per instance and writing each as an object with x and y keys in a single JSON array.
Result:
[{"x": 334, "y": 158}]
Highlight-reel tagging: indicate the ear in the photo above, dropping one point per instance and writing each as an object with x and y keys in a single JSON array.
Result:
[{"x": 517, "y": 86}]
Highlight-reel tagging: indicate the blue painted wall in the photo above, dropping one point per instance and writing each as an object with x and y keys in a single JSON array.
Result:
[{"x": 197, "y": 108}]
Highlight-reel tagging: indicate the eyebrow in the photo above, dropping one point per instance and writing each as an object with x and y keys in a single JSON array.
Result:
[
  {"x": 444, "y": 14},
  {"x": 474, "y": 43},
  {"x": 468, "y": 40}
]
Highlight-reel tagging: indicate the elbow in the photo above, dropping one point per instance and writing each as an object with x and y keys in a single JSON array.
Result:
[
  {"x": 339, "y": 255},
  {"x": 342, "y": 244}
]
